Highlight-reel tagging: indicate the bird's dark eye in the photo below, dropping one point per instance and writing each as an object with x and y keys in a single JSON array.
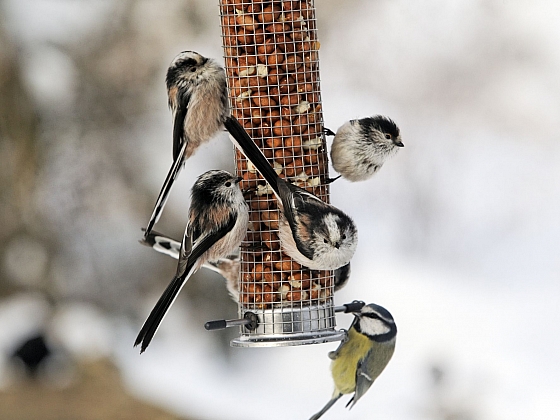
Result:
[
  {"x": 193, "y": 69},
  {"x": 388, "y": 136},
  {"x": 343, "y": 237},
  {"x": 325, "y": 240},
  {"x": 228, "y": 184}
]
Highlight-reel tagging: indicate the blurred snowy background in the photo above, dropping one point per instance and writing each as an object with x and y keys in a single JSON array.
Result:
[{"x": 459, "y": 233}]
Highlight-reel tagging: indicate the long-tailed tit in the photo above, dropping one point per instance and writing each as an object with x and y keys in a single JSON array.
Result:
[
  {"x": 363, "y": 355},
  {"x": 360, "y": 147},
  {"x": 197, "y": 93},
  {"x": 227, "y": 267},
  {"x": 312, "y": 232},
  {"x": 218, "y": 218}
]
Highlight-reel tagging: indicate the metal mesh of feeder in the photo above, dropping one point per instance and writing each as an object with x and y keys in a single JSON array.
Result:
[{"x": 272, "y": 65}]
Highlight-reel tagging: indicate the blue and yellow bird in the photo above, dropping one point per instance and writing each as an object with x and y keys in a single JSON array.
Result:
[{"x": 363, "y": 355}]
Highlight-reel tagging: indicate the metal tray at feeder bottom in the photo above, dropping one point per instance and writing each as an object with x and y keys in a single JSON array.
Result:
[{"x": 288, "y": 326}]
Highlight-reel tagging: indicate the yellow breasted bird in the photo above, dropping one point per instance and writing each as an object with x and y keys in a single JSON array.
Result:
[{"x": 363, "y": 355}]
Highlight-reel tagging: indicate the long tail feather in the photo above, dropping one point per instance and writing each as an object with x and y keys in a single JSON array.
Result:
[
  {"x": 165, "y": 189},
  {"x": 248, "y": 147},
  {"x": 153, "y": 321}
]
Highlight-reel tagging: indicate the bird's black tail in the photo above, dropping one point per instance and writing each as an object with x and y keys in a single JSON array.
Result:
[
  {"x": 151, "y": 324},
  {"x": 248, "y": 147},
  {"x": 165, "y": 189}
]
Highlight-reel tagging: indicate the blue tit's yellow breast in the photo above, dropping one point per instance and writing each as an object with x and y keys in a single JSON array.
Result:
[{"x": 344, "y": 366}]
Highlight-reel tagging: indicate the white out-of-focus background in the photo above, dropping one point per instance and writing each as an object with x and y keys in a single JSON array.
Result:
[{"x": 459, "y": 232}]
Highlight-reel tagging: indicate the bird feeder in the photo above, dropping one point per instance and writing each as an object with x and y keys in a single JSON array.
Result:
[{"x": 272, "y": 65}]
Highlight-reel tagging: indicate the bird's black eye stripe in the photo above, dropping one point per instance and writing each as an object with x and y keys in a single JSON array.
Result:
[{"x": 375, "y": 316}]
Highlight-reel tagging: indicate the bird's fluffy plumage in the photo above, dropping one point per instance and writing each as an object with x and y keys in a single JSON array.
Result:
[
  {"x": 197, "y": 96},
  {"x": 218, "y": 218},
  {"x": 361, "y": 147}
]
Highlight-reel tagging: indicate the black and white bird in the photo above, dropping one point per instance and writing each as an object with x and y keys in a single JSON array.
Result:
[
  {"x": 218, "y": 218},
  {"x": 315, "y": 234},
  {"x": 361, "y": 147},
  {"x": 197, "y": 94},
  {"x": 227, "y": 267},
  {"x": 363, "y": 355}
]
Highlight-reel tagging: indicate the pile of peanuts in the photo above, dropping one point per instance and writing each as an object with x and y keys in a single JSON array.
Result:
[{"x": 271, "y": 53}]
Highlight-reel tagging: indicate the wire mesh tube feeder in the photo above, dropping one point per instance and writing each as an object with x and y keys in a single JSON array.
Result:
[{"x": 271, "y": 56}]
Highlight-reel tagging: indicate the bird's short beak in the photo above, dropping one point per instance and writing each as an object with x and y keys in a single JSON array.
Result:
[
  {"x": 399, "y": 143},
  {"x": 239, "y": 179}
]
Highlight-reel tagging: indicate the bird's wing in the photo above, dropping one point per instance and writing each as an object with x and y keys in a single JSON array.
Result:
[
  {"x": 295, "y": 197},
  {"x": 185, "y": 252},
  {"x": 188, "y": 258},
  {"x": 363, "y": 378},
  {"x": 164, "y": 192},
  {"x": 300, "y": 207},
  {"x": 290, "y": 203},
  {"x": 179, "y": 115}
]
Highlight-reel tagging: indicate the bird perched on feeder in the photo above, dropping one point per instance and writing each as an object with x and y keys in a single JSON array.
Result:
[
  {"x": 315, "y": 234},
  {"x": 360, "y": 147},
  {"x": 197, "y": 95},
  {"x": 363, "y": 355},
  {"x": 218, "y": 218},
  {"x": 227, "y": 267}
]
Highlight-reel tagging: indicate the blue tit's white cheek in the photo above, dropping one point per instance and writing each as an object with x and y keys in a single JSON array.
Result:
[{"x": 373, "y": 326}]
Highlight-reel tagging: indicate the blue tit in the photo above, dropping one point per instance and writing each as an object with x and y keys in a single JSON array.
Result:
[{"x": 363, "y": 355}]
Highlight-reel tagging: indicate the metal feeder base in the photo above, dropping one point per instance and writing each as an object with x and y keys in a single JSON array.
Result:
[{"x": 286, "y": 326}]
